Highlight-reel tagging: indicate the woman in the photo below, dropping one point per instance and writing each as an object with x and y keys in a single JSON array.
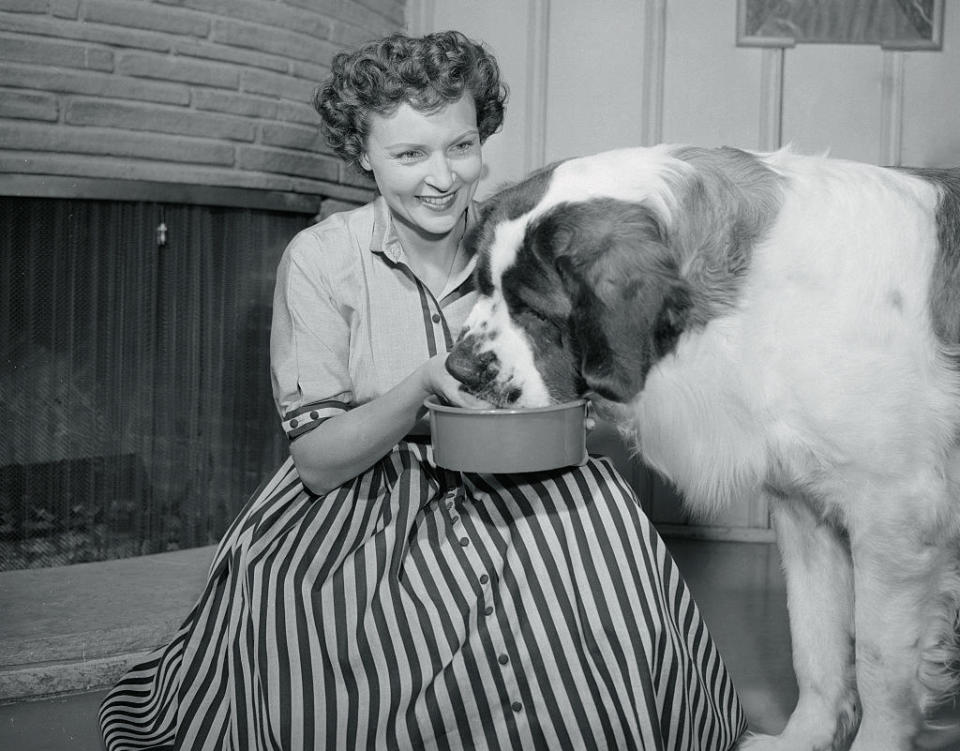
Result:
[{"x": 366, "y": 598}]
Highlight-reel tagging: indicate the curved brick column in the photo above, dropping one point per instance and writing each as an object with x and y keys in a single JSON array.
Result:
[{"x": 195, "y": 92}]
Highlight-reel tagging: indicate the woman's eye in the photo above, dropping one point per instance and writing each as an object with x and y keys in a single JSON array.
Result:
[{"x": 407, "y": 156}]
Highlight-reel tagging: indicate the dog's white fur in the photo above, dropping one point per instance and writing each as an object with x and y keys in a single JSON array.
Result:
[
  {"x": 822, "y": 385},
  {"x": 872, "y": 438}
]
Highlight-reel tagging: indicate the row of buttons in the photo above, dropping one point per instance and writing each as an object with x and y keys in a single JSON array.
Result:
[{"x": 503, "y": 659}]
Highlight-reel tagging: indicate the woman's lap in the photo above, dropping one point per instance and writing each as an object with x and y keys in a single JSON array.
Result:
[{"x": 416, "y": 607}]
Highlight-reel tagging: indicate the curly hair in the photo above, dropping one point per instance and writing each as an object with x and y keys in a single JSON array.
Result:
[{"x": 425, "y": 72}]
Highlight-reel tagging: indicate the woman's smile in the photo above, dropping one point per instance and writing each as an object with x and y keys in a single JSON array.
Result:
[
  {"x": 439, "y": 203},
  {"x": 426, "y": 164}
]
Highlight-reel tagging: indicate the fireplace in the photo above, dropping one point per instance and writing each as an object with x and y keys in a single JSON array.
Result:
[{"x": 134, "y": 376}]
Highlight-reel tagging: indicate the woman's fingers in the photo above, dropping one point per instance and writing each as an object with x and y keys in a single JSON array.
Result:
[{"x": 589, "y": 420}]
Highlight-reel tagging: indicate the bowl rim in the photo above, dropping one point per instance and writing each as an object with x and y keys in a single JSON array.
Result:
[{"x": 431, "y": 403}]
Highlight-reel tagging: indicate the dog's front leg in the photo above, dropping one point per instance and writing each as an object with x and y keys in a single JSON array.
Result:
[
  {"x": 896, "y": 579},
  {"x": 819, "y": 577}
]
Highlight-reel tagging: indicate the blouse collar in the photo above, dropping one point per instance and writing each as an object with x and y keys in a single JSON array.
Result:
[{"x": 386, "y": 242}]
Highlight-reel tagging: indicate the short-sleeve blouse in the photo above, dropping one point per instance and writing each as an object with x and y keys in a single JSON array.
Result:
[{"x": 351, "y": 319}]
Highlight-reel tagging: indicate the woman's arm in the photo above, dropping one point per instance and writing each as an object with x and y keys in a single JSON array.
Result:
[{"x": 342, "y": 447}]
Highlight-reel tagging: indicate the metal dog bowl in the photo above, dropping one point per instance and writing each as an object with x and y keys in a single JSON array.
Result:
[{"x": 508, "y": 440}]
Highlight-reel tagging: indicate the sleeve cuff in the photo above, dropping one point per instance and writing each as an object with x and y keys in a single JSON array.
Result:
[{"x": 306, "y": 418}]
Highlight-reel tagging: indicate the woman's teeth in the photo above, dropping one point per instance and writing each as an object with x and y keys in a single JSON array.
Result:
[{"x": 438, "y": 202}]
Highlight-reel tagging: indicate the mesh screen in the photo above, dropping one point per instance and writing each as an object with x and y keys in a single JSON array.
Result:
[{"x": 135, "y": 395}]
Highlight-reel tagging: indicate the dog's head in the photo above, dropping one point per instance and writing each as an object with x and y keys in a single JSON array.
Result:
[
  {"x": 578, "y": 288},
  {"x": 587, "y": 277}
]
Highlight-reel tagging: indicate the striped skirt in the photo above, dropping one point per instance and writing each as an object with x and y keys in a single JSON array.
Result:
[{"x": 419, "y": 608}]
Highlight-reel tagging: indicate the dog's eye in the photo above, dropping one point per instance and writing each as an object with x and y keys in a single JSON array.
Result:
[
  {"x": 540, "y": 316},
  {"x": 544, "y": 318},
  {"x": 551, "y": 330}
]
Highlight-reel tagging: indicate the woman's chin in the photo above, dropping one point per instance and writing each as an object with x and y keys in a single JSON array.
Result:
[{"x": 430, "y": 222}]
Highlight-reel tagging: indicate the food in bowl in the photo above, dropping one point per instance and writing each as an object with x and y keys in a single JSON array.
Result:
[{"x": 508, "y": 440}]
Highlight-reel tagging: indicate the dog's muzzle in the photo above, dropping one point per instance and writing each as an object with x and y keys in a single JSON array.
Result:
[{"x": 476, "y": 370}]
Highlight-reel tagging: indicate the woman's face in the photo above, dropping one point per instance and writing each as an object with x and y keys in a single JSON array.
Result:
[{"x": 426, "y": 164}]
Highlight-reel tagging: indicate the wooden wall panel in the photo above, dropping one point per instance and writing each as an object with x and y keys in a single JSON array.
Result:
[
  {"x": 832, "y": 100},
  {"x": 711, "y": 87},
  {"x": 931, "y": 100}
]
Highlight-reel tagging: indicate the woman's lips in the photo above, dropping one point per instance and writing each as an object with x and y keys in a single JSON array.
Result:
[{"x": 438, "y": 203}]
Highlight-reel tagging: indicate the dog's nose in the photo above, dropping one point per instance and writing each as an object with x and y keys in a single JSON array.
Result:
[
  {"x": 474, "y": 370},
  {"x": 463, "y": 366}
]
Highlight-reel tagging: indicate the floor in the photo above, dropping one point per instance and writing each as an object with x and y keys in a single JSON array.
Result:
[{"x": 738, "y": 586}]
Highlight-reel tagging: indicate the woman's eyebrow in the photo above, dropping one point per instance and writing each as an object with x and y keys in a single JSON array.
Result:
[
  {"x": 418, "y": 145},
  {"x": 404, "y": 145},
  {"x": 468, "y": 132}
]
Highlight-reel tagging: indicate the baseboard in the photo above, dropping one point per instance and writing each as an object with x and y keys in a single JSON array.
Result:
[
  {"x": 706, "y": 532},
  {"x": 42, "y": 680}
]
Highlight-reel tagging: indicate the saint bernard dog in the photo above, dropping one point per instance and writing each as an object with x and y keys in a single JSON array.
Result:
[{"x": 762, "y": 323}]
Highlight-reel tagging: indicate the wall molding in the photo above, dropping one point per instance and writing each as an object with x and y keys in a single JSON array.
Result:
[
  {"x": 654, "y": 57},
  {"x": 420, "y": 16},
  {"x": 715, "y": 532},
  {"x": 891, "y": 109},
  {"x": 770, "y": 135},
  {"x": 89, "y": 188},
  {"x": 538, "y": 63}
]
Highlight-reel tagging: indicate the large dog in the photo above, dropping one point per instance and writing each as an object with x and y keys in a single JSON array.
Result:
[{"x": 763, "y": 323}]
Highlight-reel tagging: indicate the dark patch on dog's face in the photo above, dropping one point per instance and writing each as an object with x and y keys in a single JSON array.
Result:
[
  {"x": 629, "y": 305},
  {"x": 510, "y": 203},
  {"x": 539, "y": 304}
]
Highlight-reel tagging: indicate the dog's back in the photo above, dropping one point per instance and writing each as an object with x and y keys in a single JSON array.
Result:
[
  {"x": 832, "y": 387},
  {"x": 836, "y": 358}
]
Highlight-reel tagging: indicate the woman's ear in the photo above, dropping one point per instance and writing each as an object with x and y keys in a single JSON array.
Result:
[{"x": 365, "y": 162}]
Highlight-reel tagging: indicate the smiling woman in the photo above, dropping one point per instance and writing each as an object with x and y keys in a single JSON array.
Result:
[
  {"x": 426, "y": 166},
  {"x": 368, "y": 596}
]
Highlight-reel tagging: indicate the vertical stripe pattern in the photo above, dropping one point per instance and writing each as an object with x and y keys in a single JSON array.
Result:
[{"x": 418, "y": 608}]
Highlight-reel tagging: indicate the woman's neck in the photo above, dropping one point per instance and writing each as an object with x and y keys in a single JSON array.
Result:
[{"x": 435, "y": 259}]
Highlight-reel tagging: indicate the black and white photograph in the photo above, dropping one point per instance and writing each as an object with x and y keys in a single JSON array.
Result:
[{"x": 479, "y": 375}]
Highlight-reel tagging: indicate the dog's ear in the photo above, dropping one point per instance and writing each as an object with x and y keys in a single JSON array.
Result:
[
  {"x": 599, "y": 369},
  {"x": 672, "y": 318},
  {"x": 629, "y": 305}
]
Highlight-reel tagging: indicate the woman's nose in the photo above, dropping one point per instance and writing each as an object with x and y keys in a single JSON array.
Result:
[{"x": 441, "y": 174}]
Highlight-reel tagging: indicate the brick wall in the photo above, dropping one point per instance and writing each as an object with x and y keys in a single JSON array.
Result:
[{"x": 196, "y": 92}]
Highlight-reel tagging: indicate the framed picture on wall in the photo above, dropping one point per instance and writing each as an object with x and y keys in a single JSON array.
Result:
[{"x": 893, "y": 24}]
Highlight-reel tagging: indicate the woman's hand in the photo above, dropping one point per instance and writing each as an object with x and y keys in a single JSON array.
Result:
[
  {"x": 590, "y": 420},
  {"x": 438, "y": 381}
]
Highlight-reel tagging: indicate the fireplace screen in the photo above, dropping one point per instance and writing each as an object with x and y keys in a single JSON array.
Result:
[{"x": 135, "y": 395}]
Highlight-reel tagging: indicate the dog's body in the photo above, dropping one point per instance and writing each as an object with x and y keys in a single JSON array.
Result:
[{"x": 763, "y": 323}]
